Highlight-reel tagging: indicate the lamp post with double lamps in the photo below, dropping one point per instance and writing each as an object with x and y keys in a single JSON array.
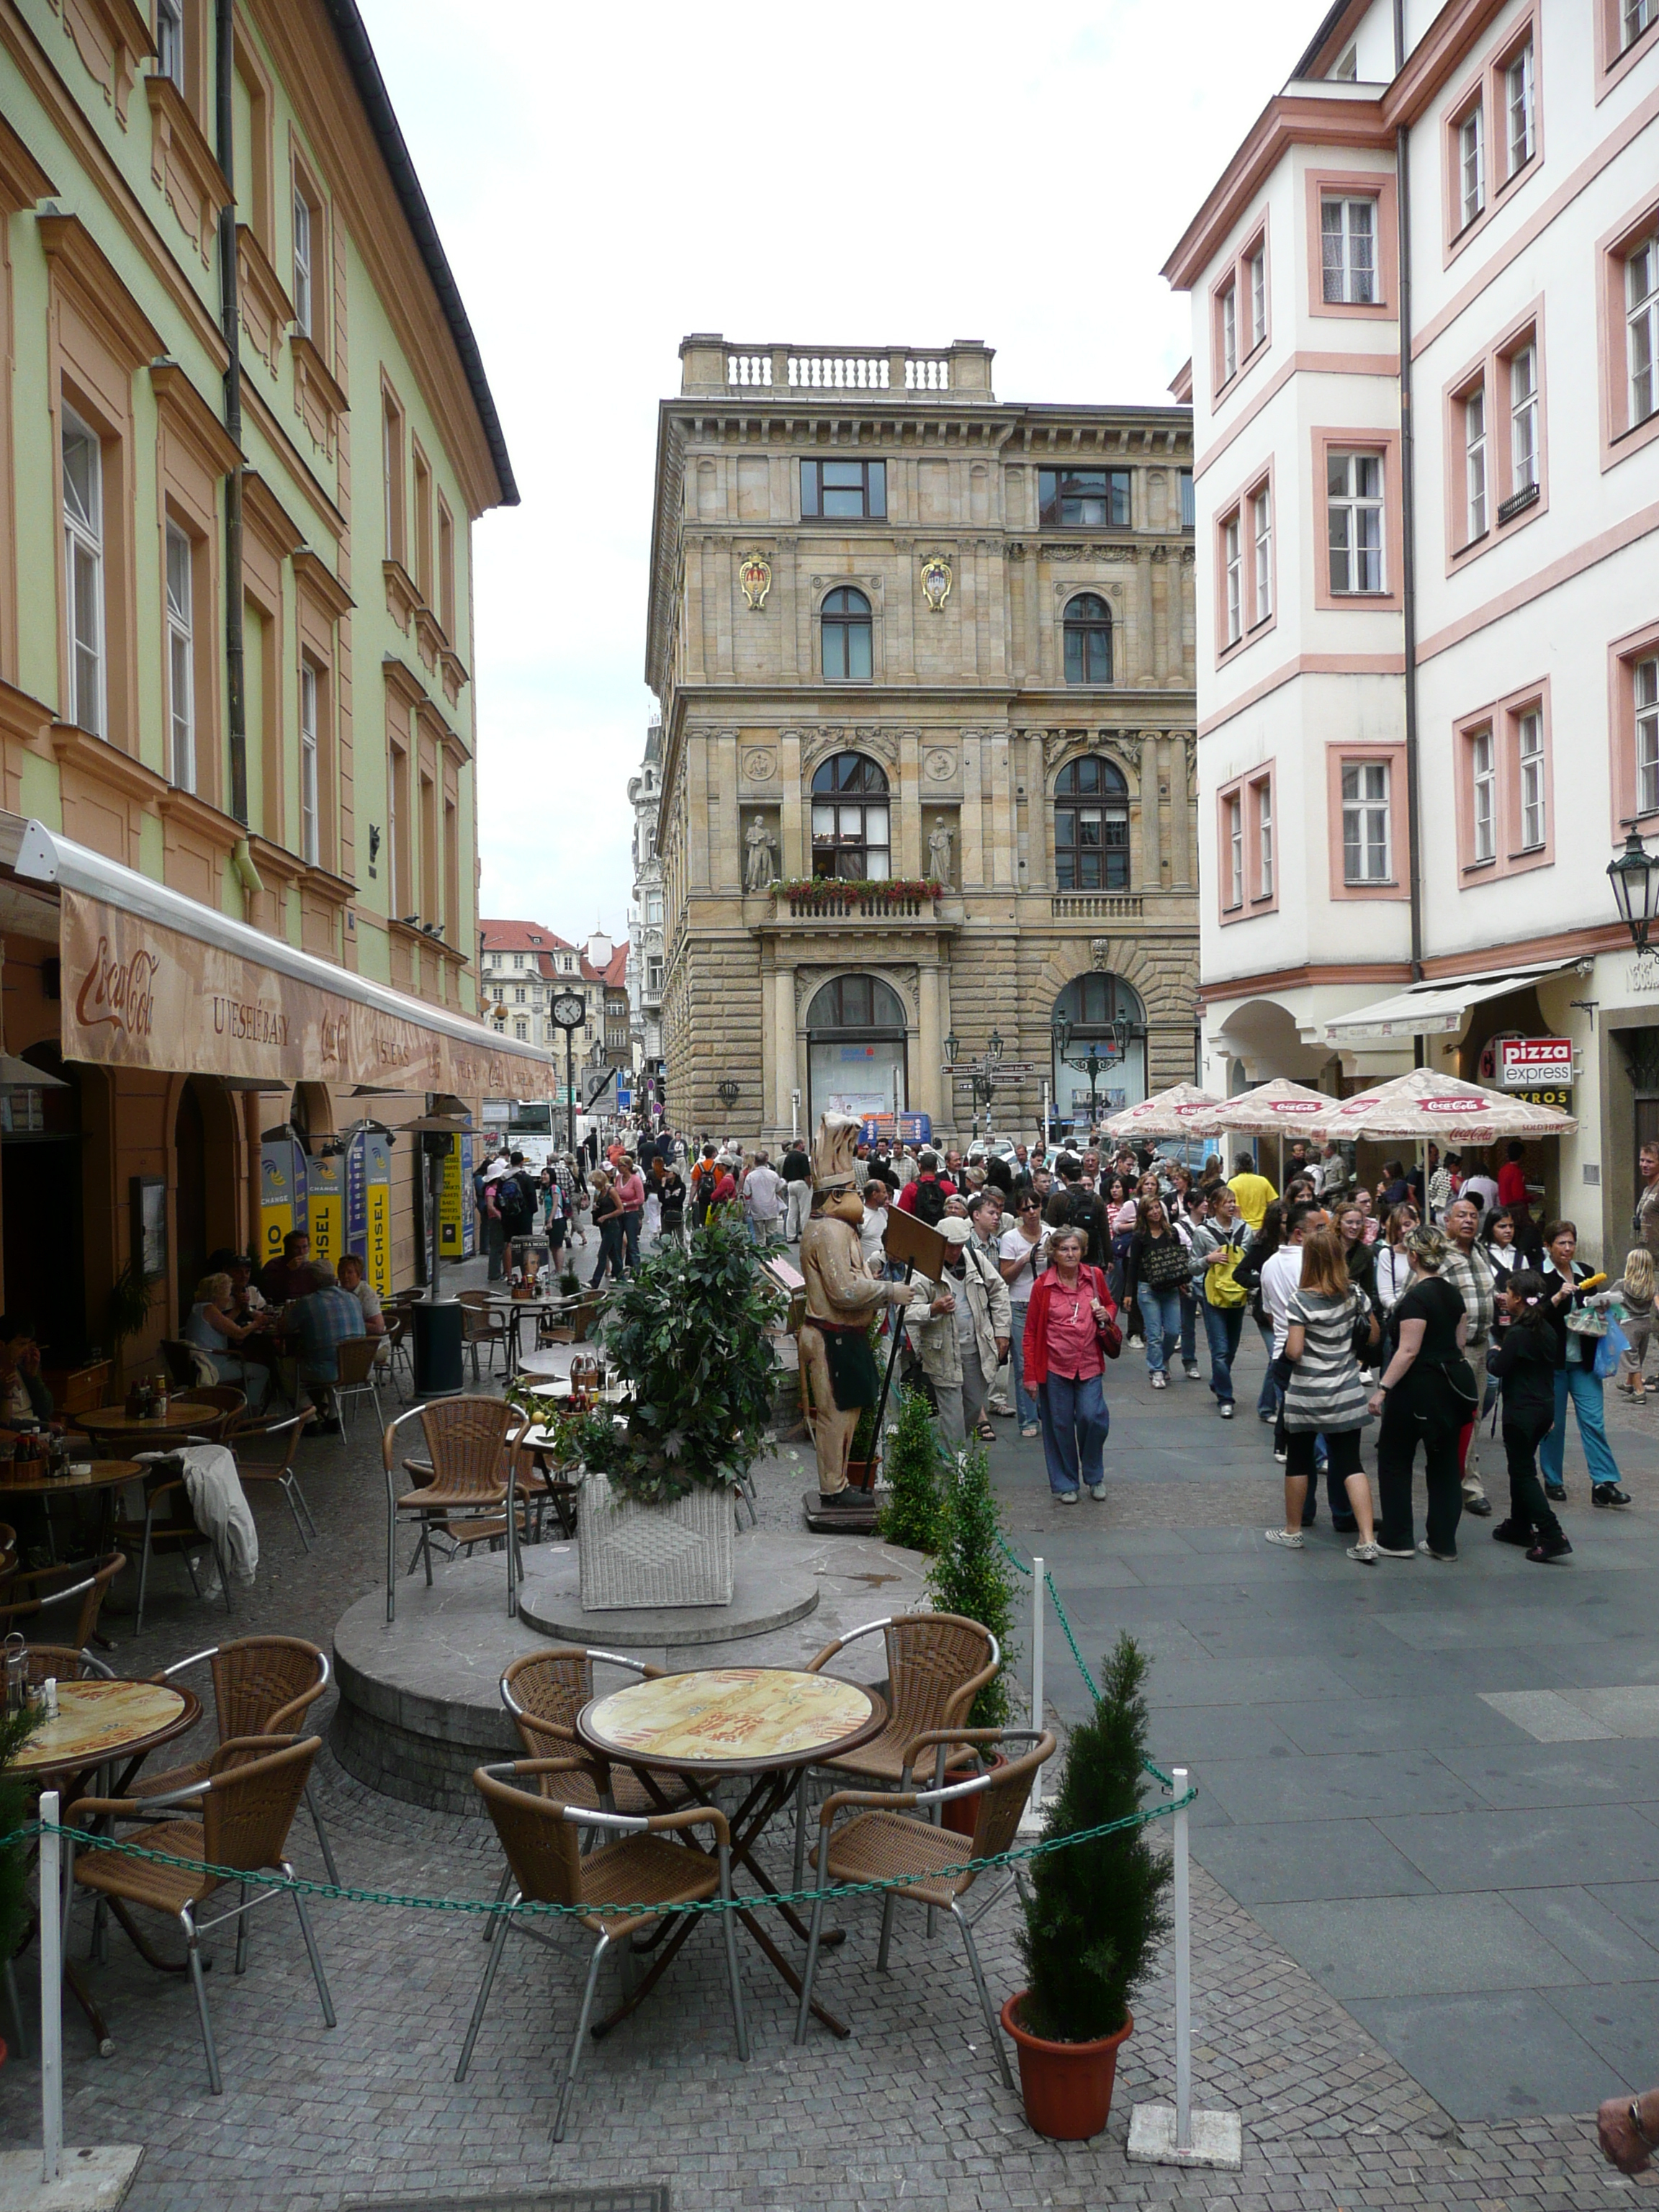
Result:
[{"x": 1095, "y": 1058}]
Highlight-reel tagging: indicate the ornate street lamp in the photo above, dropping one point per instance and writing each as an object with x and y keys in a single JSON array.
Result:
[
  {"x": 994, "y": 1045},
  {"x": 1062, "y": 1030},
  {"x": 952, "y": 1047},
  {"x": 1634, "y": 875}
]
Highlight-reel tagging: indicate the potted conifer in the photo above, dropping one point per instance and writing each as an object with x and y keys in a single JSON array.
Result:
[
  {"x": 910, "y": 1517},
  {"x": 970, "y": 1577},
  {"x": 1094, "y": 1915},
  {"x": 689, "y": 1330}
]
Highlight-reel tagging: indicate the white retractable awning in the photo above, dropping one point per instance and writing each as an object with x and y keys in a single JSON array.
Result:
[
  {"x": 1432, "y": 1009},
  {"x": 152, "y": 979}
]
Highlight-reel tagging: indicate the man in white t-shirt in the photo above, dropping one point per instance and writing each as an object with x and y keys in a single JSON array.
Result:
[
  {"x": 1020, "y": 1254},
  {"x": 1281, "y": 1276},
  {"x": 873, "y": 1227}
]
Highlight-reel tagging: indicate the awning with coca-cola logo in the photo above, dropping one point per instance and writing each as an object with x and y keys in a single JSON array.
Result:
[{"x": 152, "y": 979}]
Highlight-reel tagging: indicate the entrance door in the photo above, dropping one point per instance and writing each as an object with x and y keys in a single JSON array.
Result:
[
  {"x": 40, "y": 1195},
  {"x": 191, "y": 1194},
  {"x": 855, "y": 1049}
]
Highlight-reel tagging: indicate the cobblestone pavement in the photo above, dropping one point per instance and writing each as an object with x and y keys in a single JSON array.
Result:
[{"x": 910, "y": 2111}]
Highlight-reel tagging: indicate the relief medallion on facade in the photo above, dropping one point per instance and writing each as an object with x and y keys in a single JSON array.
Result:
[
  {"x": 754, "y": 575},
  {"x": 759, "y": 766},
  {"x": 938, "y": 765}
]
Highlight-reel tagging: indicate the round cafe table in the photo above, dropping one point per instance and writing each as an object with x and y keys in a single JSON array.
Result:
[
  {"x": 712, "y": 1723},
  {"x": 114, "y": 1426},
  {"x": 98, "y": 1723},
  {"x": 104, "y": 1476}
]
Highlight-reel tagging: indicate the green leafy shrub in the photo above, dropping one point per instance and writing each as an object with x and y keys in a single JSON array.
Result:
[
  {"x": 970, "y": 1574},
  {"x": 911, "y": 1515},
  {"x": 691, "y": 1331},
  {"x": 1096, "y": 1911}
]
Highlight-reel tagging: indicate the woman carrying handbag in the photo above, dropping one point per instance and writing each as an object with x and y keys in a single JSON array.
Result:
[{"x": 1071, "y": 1332}]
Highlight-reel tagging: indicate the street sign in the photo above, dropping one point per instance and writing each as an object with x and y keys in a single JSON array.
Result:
[
  {"x": 624, "y": 1100},
  {"x": 994, "y": 1069}
]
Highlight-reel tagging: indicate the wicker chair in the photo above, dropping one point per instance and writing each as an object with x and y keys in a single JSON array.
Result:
[
  {"x": 8, "y": 1554},
  {"x": 261, "y": 1686},
  {"x": 937, "y": 1665},
  {"x": 355, "y": 1369},
  {"x": 224, "y": 1408},
  {"x": 62, "y": 1663},
  {"x": 538, "y": 1832},
  {"x": 884, "y": 1842},
  {"x": 545, "y": 1691},
  {"x": 259, "y": 1466},
  {"x": 482, "y": 1322},
  {"x": 468, "y": 1440},
  {"x": 246, "y": 1807},
  {"x": 73, "y": 1592},
  {"x": 168, "y": 1524}
]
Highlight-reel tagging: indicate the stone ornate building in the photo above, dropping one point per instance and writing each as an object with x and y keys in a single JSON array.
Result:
[
  {"x": 925, "y": 668},
  {"x": 645, "y": 920}
]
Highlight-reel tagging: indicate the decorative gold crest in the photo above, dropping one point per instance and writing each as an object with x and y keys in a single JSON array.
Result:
[
  {"x": 936, "y": 580},
  {"x": 756, "y": 577}
]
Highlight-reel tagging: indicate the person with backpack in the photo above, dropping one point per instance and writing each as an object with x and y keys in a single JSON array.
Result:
[
  {"x": 515, "y": 1207},
  {"x": 1218, "y": 1243},
  {"x": 796, "y": 1169},
  {"x": 926, "y": 1196},
  {"x": 1247, "y": 1274},
  {"x": 1523, "y": 1359},
  {"x": 704, "y": 1176},
  {"x": 1158, "y": 1266}
]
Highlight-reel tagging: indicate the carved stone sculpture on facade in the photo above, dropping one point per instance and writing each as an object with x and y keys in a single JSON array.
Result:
[
  {"x": 761, "y": 867},
  {"x": 837, "y": 1367},
  {"x": 938, "y": 853}
]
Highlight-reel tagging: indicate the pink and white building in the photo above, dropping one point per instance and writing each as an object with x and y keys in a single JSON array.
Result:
[{"x": 1425, "y": 392}]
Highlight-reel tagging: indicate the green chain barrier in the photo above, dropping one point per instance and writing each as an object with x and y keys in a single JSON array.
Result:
[{"x": 490, "y": 1909}]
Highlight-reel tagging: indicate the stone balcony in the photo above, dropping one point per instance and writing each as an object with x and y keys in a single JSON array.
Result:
[
  {"x": 710, "y": 364},
  {"x": 829, "y": 900},
  {"x": 1097, "y": 906}
]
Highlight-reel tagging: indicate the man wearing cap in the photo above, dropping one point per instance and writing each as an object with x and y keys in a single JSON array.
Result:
[
  {"x": 963, "y": 1348},
  {"x": 838, "y": 1369}
]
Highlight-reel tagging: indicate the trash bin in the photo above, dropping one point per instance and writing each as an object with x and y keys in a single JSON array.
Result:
[{"x": 437, "y": 1347}]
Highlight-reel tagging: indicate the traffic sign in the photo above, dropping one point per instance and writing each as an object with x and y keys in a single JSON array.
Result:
[{"x": 995, "y": 1068}]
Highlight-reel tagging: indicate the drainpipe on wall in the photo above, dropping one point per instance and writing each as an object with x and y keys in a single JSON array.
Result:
[
  {"x": 1408, "y": 530},
  {"x": 230, "y": 321}
]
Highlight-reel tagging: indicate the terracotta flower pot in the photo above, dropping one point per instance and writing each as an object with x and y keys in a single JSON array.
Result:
[
  {"x": 962, "y": 1811},
  {"x": 1067, "y": 2086},
  {"x": 861, "y": 1474}
]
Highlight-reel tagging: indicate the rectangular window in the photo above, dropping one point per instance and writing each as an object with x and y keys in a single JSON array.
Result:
[
  {"x": 653, "y": 976},
  {"x": 1264, "y": 840},
  {"x": 310, "y": 838},
  {"x": 1365, "y": 822},
  {"x": 1188, "y": 504},
  {"x": 303, "y": 262},
  {"x": 392, "y": 469},
  {"x": 1229, "y": 345},
  {"x": 1354, "y": 521},
  {"x": 423, "y": 526},
  {"x": 1530, "y": 759},
  {"x": 1261, "y": 523},
  {"x": 1635, "y": 17},
  {"x": 843, "y": 491},
  {"x": 653, "y": 910},
  {"x": 83, "y": 566},
  {"x": 1483, "y": 778},
  {"x": 1646, "y": 675},
  {"x": 1256, "y": 267},
  {"x": 1233, "y": 576},
  {"x": 518, "y": 998},
  {"x": 170, "y": 40},
  {"x": 1474, "y": 464},
  {"x": 446, "y": 570},
  {"x": 1084, "y": 499},
  {"x": 1236, "y": 850},
  {"x": 181, "y": 687},
  {"x": 1642, "y": 326},
  {"x": 1348, "y": 251},
  {"x": 1524, "y": 420},
  {"x": 1472, "y": 163},
  {"x": 1518, "y": 105}
]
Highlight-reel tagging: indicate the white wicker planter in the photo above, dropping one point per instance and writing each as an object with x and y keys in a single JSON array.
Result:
[{"x": 654, "y": 1555}]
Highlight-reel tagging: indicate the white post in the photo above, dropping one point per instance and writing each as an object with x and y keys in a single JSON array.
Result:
[
  {"x": 1045, "y": 1114},
  {"x": 1037, "y": 1672},
  {"x": 794, "y": 1114},
  {"x": 1183, "y": 1971},
  {"x": 52, "y": 1988}
]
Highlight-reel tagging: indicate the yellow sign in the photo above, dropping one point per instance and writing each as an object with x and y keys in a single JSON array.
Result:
[
  {"x": 378, "y": 1261},
  {"x": 326, "y": 1214},
  {"x": 278, "y": 1167},
  {"x": 449, "y": 1203}
]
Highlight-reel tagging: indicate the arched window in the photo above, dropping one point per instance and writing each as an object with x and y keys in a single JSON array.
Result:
[
  {"x": 846, "y": 636},
  {"x": 1088, "y": 640},
  {"x": 850, "y": 836},
  {"x": 856, "y": 1002},
  {"x": 1092, "y": 827}
]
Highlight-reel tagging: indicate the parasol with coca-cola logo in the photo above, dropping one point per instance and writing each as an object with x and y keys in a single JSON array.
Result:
[
  {"x": 1183, "y": 1110},
  {"x": 1427, "y": 1104}
]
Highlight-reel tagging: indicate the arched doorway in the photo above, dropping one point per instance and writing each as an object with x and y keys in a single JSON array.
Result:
[
  {"x": 41, "y": 1200},
  {"x": 855, "y": 1048},
  {"x": 1099, "y": 1027}
]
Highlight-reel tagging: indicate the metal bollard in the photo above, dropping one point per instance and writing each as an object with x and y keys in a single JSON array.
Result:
[
  {"x": 1183, "y": 1974},
  {"x": 1037, "y": 1671},
  {"x": 52, "y": 1988}
]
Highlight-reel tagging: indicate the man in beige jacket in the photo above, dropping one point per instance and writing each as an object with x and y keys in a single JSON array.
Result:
[{"x": 963, "y": 1346}]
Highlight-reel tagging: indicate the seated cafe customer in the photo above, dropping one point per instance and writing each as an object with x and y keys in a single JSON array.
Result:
[
  {"x": 23, "y": 1395},
  {"x": 356, "y": 1284},
  {"x": 212, "y": 1326},
  {"x": 289, "y": 1277},
  {"x": 318, "y": 1324}
]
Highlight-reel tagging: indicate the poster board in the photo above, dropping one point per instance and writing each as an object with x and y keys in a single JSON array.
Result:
[{"x": 905, "y": 1238}]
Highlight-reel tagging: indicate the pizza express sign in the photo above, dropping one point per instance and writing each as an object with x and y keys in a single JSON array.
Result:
[{"x": 1528, "y": 1063}]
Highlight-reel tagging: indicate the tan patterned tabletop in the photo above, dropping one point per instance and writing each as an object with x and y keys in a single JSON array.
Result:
[
  {"x": 741, "y": 1717},
  {"x": 96, "y": 1720}
]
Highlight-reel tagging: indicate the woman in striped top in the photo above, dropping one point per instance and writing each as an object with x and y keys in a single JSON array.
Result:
[{"x": 1326, "y": 1397}]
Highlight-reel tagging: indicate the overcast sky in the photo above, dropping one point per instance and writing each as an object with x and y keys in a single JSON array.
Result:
[{"x": 605, "y": 179}]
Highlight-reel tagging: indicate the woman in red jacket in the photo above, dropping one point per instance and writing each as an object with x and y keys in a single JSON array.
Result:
[{"x": 1067, "y": 1326}]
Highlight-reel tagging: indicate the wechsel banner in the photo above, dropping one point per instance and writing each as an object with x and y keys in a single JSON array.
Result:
[
  {"x": 368, "y": 1207},
  {"x": 138, "y": 994}
]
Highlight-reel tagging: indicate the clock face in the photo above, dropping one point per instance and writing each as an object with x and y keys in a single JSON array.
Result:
[{"x": 569, "y": 1010}]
